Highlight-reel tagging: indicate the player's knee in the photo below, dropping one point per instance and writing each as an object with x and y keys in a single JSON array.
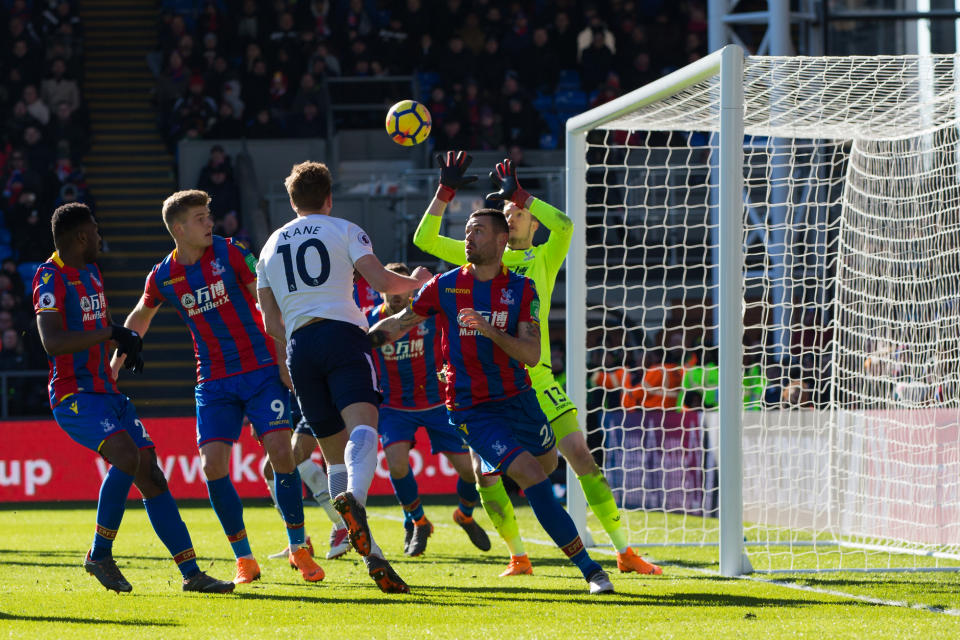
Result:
[
  {"x": 157, "y": 478},
  {"x": 266, "y": 469},
  {"x": 548, "y": 462},
  {"x": 575, "y": 450},
  {"x": 125, "y": 459},
  {"x": 214, "y": 468},
  {"x": 398, "y": 462},
  {"x": 526, "y": 471}
]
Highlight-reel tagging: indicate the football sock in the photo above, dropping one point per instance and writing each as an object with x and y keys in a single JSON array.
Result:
[
  {"x": 499, "y": 509},
  {"x": 290, "y": 502},
  {"x": 337, "y": 476},
  {"x": 360, "y": 455},
  {"x": 113, "y": 500},
  {"x": 273, "y": 493},
  {"x": 467, "y": 492},
  {"x": 314, "y": 477},
  {"x": 406, "y": 490},
  {"x": 165, "y": 518},
  {"x": 559, "y": 525},
  {"x": 601, "y": 502},
  {"x": 226, "y": 504}
]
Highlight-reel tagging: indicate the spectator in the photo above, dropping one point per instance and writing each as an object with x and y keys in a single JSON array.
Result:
[
  {"x": 256, "y": 88},
  {"x": 489, "y": 133},
  {"x": 249, "y": 27},
  {"x": 58, "y": 88},
  {"x": 588, "y": 37},
  {"x": 227, "y": 125},
  {"x": 596, "y": 62},
  {"x": 456, "y": 62},
  {"x": 19, "y": 177},
  {"x": 564, "y": 41},
  {"x": 521, "y": 124},
  {"x": 217, "y": 160},
  {"x": 172, "y": 81},
  {"x": 541, "y": 66},
  {"x": 9, "y": 269},
  {"x": 224, "y": 193},
  {"x": 11, "y": 303},
  {"x": 309, "y": 123},
  {"x": 451, "y": 135},
  {"x": 492, "y": 65},
  {"x": 309, "y": 91},
  {"x": 36, "y": 150},
  {"x": 63, "y": 128},
  {"x": 264, "y": 126},
  {"x": 35, "y": 106},
  {"x": 229, "y": 227},
  {"x": 19, "y": 121},
  {"x": 472, "y": 35}
]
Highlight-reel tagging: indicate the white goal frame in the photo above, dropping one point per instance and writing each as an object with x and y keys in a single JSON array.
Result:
[{"x": 728, "y": 64}]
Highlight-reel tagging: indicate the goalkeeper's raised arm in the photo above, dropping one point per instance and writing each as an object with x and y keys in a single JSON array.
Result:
[{"x": 453, "y": 169}]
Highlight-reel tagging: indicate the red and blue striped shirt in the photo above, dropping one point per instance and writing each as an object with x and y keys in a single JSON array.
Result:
[
  {"x": 477, "y": 369},
  {"x": 407, "y": 368},
  {"x": 212, "y": 298},
  {"x": 77, "y": 295}
]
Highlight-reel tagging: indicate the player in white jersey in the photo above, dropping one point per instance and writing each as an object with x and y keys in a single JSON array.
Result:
[{"x": 305, "y": 288}]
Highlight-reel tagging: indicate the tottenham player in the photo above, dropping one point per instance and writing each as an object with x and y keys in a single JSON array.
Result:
[
  {"x": 305, "y": 287},
  {"x": 541, "y": 263},
  {"x": 408, "y": 371},
  {"x": 76, "y": 329},
  {"x": 210, "y": 282},
  {"x": 489, "y": 317}
]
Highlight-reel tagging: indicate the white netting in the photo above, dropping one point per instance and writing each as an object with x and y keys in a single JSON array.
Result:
[{"x": 851, "y": 323}]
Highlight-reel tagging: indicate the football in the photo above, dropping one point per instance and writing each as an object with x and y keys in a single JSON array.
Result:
[{"x": 408, "y": 123}]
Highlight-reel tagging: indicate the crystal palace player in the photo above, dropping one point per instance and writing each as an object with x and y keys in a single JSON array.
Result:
[
  {"x": 412, "y": 398},
  {"x": 305, "y": 287},
  {"x": 210, "y": 281},
  {"x": 541, "y": 263},
  {"x": 489, "y": 317},
  {"x": 76, "y": 329}
]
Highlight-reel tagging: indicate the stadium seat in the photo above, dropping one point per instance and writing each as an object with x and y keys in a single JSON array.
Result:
[
  {"x": 569, "y": 80},
  {"x": 543, "y": 103},
  {"x": 6, "y": 251},
  {"x": 27, "y": 271},
  {"x": 4, "y": 235},
  {"x": 427, "y": 80},
  {"x": 548, "y": 141},
  {"x": 574, "y": 101}
]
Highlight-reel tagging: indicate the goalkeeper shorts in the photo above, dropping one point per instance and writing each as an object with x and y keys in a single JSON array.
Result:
[{"x": 551, "y": 396}]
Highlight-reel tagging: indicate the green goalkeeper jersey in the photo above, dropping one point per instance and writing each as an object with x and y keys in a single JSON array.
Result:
[{"x": 540, "y": 263}]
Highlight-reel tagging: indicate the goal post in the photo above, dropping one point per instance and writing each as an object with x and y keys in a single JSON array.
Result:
[{"x": 799, "y": 218}]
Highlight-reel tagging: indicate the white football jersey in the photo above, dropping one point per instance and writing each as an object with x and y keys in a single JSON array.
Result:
[{"x": 308, "y": 264}]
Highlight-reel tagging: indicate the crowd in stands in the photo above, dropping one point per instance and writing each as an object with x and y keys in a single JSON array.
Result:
[
  {"x": 492, "y": 74},
  {"x": 43, "y": 125}
]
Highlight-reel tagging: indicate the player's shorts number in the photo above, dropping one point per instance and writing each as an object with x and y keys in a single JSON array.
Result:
[
  {"x": 278, "y": 406},
  {"x": 301, "y": 264},
  {"x": 545, "y": 435},
  {"x": 143, "y": 429}
]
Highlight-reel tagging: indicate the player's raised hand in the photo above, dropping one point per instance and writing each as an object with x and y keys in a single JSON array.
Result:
[
  {"x": 504, "y": 178},
  {"x": 453, "y": 169}
]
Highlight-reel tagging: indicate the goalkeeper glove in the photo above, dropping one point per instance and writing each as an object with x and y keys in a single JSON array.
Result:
[
  {"x": 505, "y": 179},
  {"x": 452, "y": 170},
  {"x": 129, "y": 344}
]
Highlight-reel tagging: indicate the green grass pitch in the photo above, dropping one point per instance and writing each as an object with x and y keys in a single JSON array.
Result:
[{"x": 44, "y": 592}]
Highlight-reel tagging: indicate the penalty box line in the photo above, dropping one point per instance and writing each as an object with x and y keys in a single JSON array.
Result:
[{"x": 747, "y": 578}]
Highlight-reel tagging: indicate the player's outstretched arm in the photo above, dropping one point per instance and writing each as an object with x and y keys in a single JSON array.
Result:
[
  {"x": 138, "y": 320},
  {"x": 385, "y": 281},
  {"x": 427, "y": 238},
  {"x": 392, "y": 328},
  {"x": 524, "y": 347}
]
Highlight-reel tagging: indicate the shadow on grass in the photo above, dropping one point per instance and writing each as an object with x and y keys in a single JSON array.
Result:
[
  {"x": 493, "y": 559},
  {"x": 335, "y": 597},
  {"x": 139, "y": 622}
]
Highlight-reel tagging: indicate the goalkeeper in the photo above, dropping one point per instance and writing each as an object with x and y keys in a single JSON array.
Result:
[{"x": 540, "y": 263}]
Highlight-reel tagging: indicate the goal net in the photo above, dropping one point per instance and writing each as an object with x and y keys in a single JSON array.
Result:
[{"x": 843, "y": 309}]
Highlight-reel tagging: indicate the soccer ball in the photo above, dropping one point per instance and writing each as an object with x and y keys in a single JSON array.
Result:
[{"x": 408, "y": 123}]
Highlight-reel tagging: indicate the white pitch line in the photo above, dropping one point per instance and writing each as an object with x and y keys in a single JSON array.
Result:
[{"x": 778, "y": 583}]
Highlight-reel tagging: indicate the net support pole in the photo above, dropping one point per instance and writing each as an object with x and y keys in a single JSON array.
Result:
[
  {"x": 733, "y": 561},
  {"x": 576, "y": 311}
]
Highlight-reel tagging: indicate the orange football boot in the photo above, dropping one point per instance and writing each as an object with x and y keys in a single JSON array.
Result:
[
  {"x": 301, "y": 559},
  {"x": 630, "y": 561},
  {"x": 519, "y": 566},
  {"x": 247, "y": 571}
]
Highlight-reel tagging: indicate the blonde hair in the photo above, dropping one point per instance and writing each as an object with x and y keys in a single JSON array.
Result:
[{"x": 180, "y": 202}]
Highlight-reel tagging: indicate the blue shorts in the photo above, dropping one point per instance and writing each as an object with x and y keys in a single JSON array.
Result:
[
  {"x": 91, "y": 418},
  {"x": 222, "y": 403},
  {"x": 331, "y": 368},
  {"x": 400, "y": 426},
  {"x": 500, "y": 430}
]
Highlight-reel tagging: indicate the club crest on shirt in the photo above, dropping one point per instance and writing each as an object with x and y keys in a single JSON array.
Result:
[
  {"x": 107, "y": 425},
  {"x": 216, "y": 268},
  {"x": 506, "y": 297},
  {"x": 500, "y": 448}
]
